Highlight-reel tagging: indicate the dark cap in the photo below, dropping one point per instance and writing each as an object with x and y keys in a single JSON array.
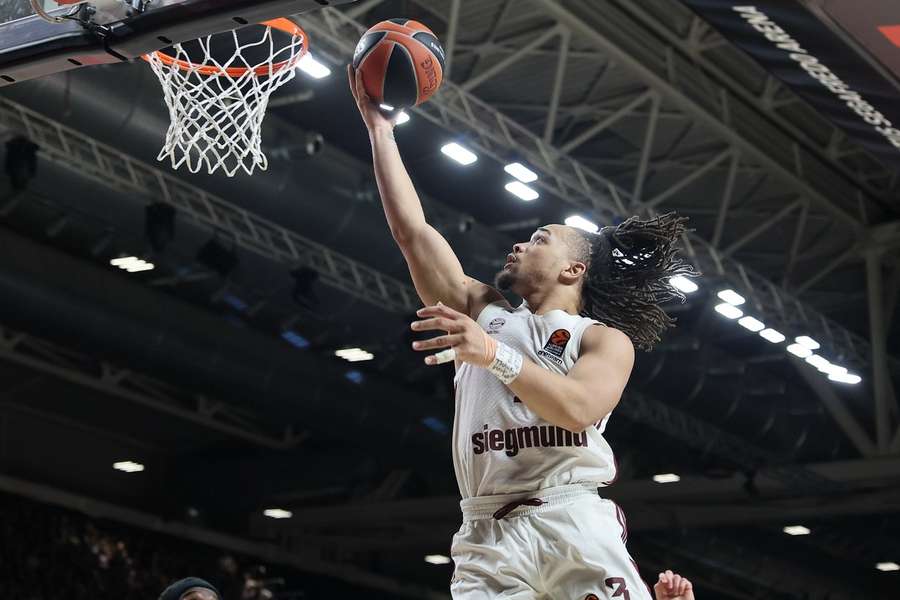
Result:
[{"x": 178, "y": 589}]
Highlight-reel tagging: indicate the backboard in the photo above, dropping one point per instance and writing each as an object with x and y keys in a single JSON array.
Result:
[{"x": 110, "y": 31}]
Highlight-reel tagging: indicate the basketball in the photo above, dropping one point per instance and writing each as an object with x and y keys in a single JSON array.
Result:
[{"x": 402, "y": 62}]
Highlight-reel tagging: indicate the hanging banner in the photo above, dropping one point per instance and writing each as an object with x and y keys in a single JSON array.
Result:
[{"x": 859, "y": 94}]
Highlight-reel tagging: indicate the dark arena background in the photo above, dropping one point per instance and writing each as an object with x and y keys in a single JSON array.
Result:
[{"x": 249, "y": 410}]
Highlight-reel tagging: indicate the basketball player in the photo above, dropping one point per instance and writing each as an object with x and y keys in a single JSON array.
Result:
[
  {"x": 190, "y": 588},
  {"x": 535, "y": 385}
]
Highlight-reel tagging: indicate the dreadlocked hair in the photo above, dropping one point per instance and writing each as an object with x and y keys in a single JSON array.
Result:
[{"x": 628, "y": 276}]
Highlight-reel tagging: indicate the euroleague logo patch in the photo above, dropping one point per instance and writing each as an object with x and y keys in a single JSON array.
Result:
[
  {"x": 556, "y": 345},
  {"x": 495, "y": 325}
]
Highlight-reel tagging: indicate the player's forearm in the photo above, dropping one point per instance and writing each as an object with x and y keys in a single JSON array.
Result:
[
  {"x": 402, "y": 206},
  {"x": 561, "y": 400}
]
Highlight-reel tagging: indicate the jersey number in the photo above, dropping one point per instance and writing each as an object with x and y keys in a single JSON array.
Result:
[{"x": 617, "y": 584}]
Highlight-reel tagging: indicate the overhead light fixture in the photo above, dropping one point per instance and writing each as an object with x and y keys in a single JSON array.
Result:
[
  {"x": 772, "y": 335},
  {"x": 833, "y": 369},
  {"x": 684, "y": 284},
  {"x": 128, "y": 466},
  {"x": 521, "y": 172},
  {"x": 402, "y": 117},
  {"x": 459, "y": 154},
  {"x": 887, "y": 566},
  {"x": 850, "y": 378},
  {"x": 386, "y": 107},
  {"x": 807, "y": 342},
  {"x": 517, "y": 188},
  {"x": 666, "y": 478},
  {"x": 354, "y": 354},
  {"x": 799, "y": 350},
  {"x": 580, "y": 222},
  {"x": 437, "y": 559},
  {"x": 313, "y": 67},
  {"x": 731, "y": 297},
  {"x": 819, "y": 362},
  {"x": 752, "y": 324},
  {"x": 729, "y": 311},
  {"x": 132, "y": 264},
  {"x": 278, "y": 513},
  {"x": 796, "y": 530},
  {"x": 295, "y": 339}
]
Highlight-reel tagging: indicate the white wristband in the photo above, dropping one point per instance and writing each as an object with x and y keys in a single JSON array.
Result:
[{"x": 507, "y": 363}]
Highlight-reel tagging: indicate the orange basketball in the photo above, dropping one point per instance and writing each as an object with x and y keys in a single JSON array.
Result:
[{"x": 402, "y": 62}]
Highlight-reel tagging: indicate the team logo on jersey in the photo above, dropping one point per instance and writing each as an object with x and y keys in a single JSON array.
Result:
[
  {"x": 556, "y": 345},
  {"x": 495, "y": 325}
]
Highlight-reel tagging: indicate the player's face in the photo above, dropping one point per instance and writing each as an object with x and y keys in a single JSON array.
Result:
[{"x": 534, "y": 264}]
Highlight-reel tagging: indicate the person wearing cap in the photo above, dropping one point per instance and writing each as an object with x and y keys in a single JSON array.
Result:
[{"x": 191, "y": 588}]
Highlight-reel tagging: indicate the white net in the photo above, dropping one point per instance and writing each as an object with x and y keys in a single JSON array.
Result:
[{"x": 217, "y": 105}]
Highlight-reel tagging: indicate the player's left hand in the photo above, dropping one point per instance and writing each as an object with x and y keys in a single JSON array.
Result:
[
  {"x": 466, "y": 337},
  {"x": 672, "y": 586}
]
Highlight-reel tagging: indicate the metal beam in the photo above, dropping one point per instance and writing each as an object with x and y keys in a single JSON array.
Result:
[
  {"x": 452, "y": 35},
  {"x": 878, "y": 337},
  {"x": 725, "y": 203},
  {"x": 595, "y": 129},
  {"x": 649, "y": 135},
  {"x": 110, "y": 167},
  {"x": 80, "y": 369},
  {"x": 477, "y": 80},
  {"x": 761, "y": 228},
  {"x": 683, "y": 183},
  {"x": 795, "y": 244},
  {"x": 836, "y": 408},
  {"x": 565, "y": 40},
  {"x": 836, "y": 262}
]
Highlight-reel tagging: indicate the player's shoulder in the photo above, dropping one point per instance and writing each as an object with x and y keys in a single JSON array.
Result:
[
  {"x": 602, "y": 338},
  {"x": 481, "y": 296}
]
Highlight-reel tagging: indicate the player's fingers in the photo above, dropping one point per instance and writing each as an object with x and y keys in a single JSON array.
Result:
[
  {"x": 436, "y": 323},
  {"x": 360, "y": 88},
  {"x": 351, "y": 76},
  {"x": 669, "y": 579},
  {"x": 437, "y": 309},
  {"x": 676, "y": 582},
  {"x": 442, "y": 341}
]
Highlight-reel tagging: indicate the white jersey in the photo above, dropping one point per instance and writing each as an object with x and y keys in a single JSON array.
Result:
[{"x": 499, "y": 445}]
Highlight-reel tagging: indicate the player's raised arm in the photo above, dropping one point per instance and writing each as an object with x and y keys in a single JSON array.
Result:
[{"x": 435, "y": 269}]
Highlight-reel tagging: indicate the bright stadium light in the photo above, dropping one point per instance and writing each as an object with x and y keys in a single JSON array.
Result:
[
  {"x": 402, "y": 117},
  {"x": 752, "y": 324},
  {"x": 796, "y": 530},
  {"x": 354, "y": 354},
  {"x": 684, "y": 284},
  {"x": 437, "y": 559},
  {"x": 580, "y": 222},
  {"x": 459, "y": 154},
  {"x": 521, "y": 172},
  {"x": 729, "y": 310},
  {"x": 517, "y": 188},
  {"x": 799, "y": 350},
  {"x": 666, "y": 478},
  {"x": 819, "y": 362},
  {"x": 128, "y": 466},
  {"x": 278, "y": 513},
  {"x": 731, "y": 297},
  {"x": 771, "y": 335},
  {"x": 887, "y": 566},
  {"x": 132, "y": 264},
  {"x": 849, "y": 378},
  {"x": 807, "y": 342},
  {"x": 386, "y": 107},
  {"x": 313, "y": 67}
]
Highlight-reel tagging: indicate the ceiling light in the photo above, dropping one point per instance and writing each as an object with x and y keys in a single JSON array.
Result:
[
  {"x": 799, "y": 350},
  {"x": 313, "y": 67},
  {"x": 850, "y": 378},
  {"x": 128, "y": 466},
  {"x": 731, "y": 297},
  {"x": 582, "y": 223},
  {"x": 278, "y": 513},
  {"x": 132, "y": 264},
  {"x": 354, "y": 354},
  {"x": 437, "y": 559},
  {"x": 772, "y": 335},
  {"x": 819, "y": 362},
  {"x": 521, "y": 172},
  {"x": 729, "y": 310},
  {"x": 684, "y": 284},
  {"x": 832, "y": 369},
  {"x": 808, "y": 342},
  {"x": 402, "y": 117},
  {"x": 666, "y": 478},
  {"x": 386, "y": 107},
  {"x": 459, "y": 154},
  {"x": 522, "y": 191},
  {"x": 796, "y": 530},
  {"x": 887, "y": 566},
  {"x": 752, "y": 324}
]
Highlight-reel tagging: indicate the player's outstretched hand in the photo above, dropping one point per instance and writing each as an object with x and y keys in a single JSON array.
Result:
[
  {"x": 464, "y": 336},
  {"x": 672, "y": 586},
  {"x": 372, "y": 116}
]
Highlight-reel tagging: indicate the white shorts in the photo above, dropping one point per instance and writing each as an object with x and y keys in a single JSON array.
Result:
[{"x": 570, "y": 547}]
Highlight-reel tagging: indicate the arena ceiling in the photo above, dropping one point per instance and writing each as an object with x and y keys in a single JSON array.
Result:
[{"x": 623, "y": 108}]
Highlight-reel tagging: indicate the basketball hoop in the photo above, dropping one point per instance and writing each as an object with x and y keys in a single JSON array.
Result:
[{"x": 217, "y": 105}]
